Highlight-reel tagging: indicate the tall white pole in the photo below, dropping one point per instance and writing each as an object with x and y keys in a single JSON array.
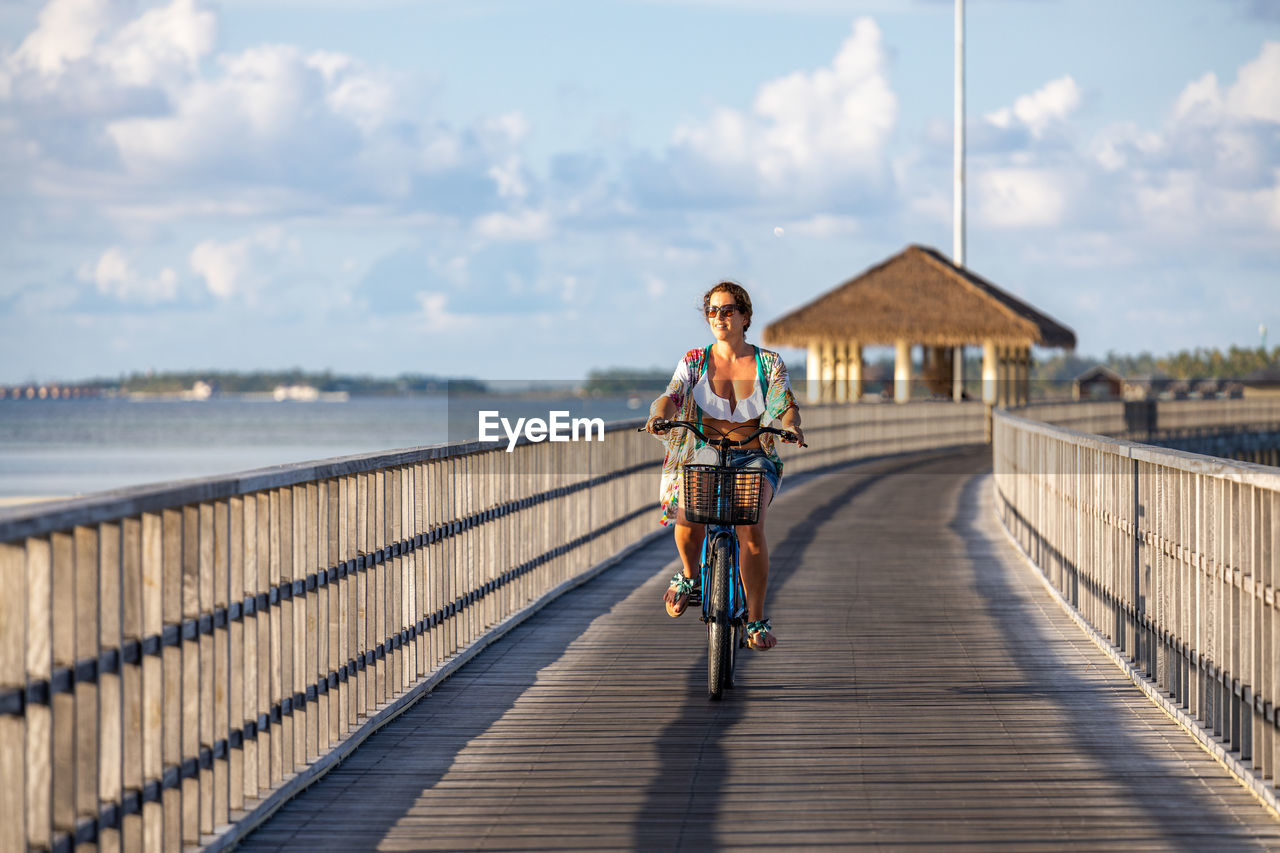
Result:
[{"x": 957, "y": 251}]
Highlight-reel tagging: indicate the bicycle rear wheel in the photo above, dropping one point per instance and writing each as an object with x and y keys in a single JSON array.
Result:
[{"x": 719, "y": 631}]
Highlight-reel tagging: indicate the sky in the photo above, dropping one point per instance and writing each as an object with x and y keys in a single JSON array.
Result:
[{"x": 530, "y": 189}]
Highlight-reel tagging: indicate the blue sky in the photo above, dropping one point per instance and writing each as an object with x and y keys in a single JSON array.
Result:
[{"x": 531, "y": 188}]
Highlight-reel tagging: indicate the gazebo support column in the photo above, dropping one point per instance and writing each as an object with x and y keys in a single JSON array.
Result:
[
  {"x": 813, "y": 372},
  {"x": 855, "y": 371},
  {"x": 1006, "y": 376},
  {"x": 1026, "y": 376},
  {"x": 902, "y": 372},
  {"x": 828, "y": 371},
  {"x": 1019, "y": 374},
  {"x": 842, "y": 371},
  {"x": 990, "y": 374},
  {"x": 957, "y": 374}
]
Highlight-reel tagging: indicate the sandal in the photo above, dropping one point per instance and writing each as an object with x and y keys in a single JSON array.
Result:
[
  {"x": 759, "y": 633},
  {"x": 677, "y": 594}
]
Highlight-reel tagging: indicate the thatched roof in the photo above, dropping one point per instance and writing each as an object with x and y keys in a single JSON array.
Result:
[
  {"x": 920, "y": 296},
  {"x": 1099, "y": 371}
]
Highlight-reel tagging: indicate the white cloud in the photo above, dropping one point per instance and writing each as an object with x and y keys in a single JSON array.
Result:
[
  {"x": 824, "y": 226},
  {"x": 162, "y": 44},
  {"x": 1050, "y": 104},
  {"x": 1254, "y": 95},
  {"x": 66, "y": 31},
  {"x": 114, "y": 275},
  {"x": 240, "y": 268},
  {"x": 521, "y": 225},
  {"x": 1212, "y": 168},
  {"x": 81, "y": 47},
  {"x": 1019, "y": 198},
  {"x": 100, "y": 88},
  {"x": 259, "y": 119},
  {"x": 807, "y": 131}
]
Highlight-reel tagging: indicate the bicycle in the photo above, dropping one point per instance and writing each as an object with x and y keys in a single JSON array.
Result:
[{"x": 721, "y": 497}]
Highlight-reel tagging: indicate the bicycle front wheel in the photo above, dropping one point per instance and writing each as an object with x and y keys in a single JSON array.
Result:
[{"x": 719, "y": 631}]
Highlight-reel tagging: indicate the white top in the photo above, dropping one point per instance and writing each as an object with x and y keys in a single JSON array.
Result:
[{"x": 748, "y": 408}]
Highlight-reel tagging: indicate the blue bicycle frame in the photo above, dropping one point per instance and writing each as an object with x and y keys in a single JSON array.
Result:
[{"x": 737, "y": 595}]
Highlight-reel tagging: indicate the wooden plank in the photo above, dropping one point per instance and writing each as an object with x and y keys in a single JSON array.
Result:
[
  {"x": 418, "y": 527},
  {"x": 236, "y": 675},
  {"x": 397, "y": 675},
  {"x": 191, "y": 671},
  {"x": 298, "y": 644},
  {"x": 335, "y": 530},
  {"x": 153, "y": 684},
  {"x": 378, "y": 606},
  {"x": 221, "y": 642},
  {"x": 281, "y": 632},
  {"x": 85, "y": 541},
  {"x": 39, "y": 718},
  {"x": 434, "y": 582},
  {"x": 63, "y": 704},
  {"x": 13, "y": 730},
  {"x": 110, "y": 700},
  {"x": 131, "y": 681},
  {"x": 266, "y": 735},
  {"x": 249, "y": 682},
  {"x": 360, "y": 606},
  {"x": 320, "y": 644},
  {"x": 311, "y": 636},
  {"x": 205, "y": 529},
  {"x": 345, "y": 593},
  {"x": 175, "y": 533}
]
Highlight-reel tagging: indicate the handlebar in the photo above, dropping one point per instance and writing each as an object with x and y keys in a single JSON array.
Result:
[{"x": 724, "y": 441}]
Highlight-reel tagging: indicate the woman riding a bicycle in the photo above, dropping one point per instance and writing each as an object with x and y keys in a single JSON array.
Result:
[{"x": 730, "y": 387}]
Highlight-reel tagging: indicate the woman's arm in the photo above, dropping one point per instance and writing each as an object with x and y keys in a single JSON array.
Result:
[
  {"x": 668, "y": 404},
  {"x": 780, "y": 396},
  {"x": 790, "y": 420},
  {"x": 662, "y": 408}
]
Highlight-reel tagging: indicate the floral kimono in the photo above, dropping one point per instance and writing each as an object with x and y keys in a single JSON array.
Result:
[{"x": 771, "y": 374}]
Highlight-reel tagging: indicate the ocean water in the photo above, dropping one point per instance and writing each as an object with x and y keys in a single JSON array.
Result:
[{"x": 61, "y": 448}]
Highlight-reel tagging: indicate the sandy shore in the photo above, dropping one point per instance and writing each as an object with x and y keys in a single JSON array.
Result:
[{"x": 7, "y": 502}]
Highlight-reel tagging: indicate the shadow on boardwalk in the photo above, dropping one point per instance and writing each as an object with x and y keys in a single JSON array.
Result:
[{"x": 683, "y": 800}]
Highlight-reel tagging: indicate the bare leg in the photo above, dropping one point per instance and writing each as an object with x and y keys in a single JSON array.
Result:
[
  {"x": 689, "y": 538},
  {"x": 689, "y": 543},
  {"x": 753, "y": 560}
]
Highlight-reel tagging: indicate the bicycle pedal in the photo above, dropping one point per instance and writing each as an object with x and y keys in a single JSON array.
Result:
[{"x": 695, "y": 598}]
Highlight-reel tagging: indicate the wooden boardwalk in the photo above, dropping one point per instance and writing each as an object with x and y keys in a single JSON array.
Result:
[{"x": 926, "y": 693}]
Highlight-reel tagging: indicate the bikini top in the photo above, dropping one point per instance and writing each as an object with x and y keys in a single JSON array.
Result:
[{"x": 714, "y": 406}]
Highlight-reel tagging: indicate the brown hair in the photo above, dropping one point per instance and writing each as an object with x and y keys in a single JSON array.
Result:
[{"x": 739, "y": 294}]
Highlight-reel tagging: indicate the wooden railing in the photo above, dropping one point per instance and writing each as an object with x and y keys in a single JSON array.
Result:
[
  {"x": 1172, "y": 558},
  {"x": 1157, "y": 420},
  {"x": 176, "y": 661}
]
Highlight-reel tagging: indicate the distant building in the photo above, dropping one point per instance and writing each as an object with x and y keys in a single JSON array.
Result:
[
  {"x": 1098, "y": 383},
  {"x": 296, "y": 393},
  {"x": 201, "y": 390},
  {"x": 1264, "y": 382},
  {"x": 918, "y": 298},
  {"x": 1146, "y": 386}
]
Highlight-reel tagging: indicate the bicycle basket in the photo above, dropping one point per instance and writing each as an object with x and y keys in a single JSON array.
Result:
[{"x": 714, "y": 495}]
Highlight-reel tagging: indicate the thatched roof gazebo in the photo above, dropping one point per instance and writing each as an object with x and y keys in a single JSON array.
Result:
[{"x": 919, "y": 297}]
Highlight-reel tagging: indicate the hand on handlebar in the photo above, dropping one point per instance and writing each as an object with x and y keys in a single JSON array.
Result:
[
  {"x": 656, "y": 425},
  {"x": 793, "y": 435}
]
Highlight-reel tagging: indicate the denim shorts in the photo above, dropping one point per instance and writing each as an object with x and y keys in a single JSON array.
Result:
[{"x": 754, "y": 459}]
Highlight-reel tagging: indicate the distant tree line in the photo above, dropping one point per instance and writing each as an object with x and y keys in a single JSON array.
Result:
[
  {"x": 235, "y": 382},
  {"x": 617, "y": 381},
  {"x": 1199, "y": 363}
]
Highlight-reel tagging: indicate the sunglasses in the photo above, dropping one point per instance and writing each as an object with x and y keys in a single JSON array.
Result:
[{"x": 723, "y": 310}]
